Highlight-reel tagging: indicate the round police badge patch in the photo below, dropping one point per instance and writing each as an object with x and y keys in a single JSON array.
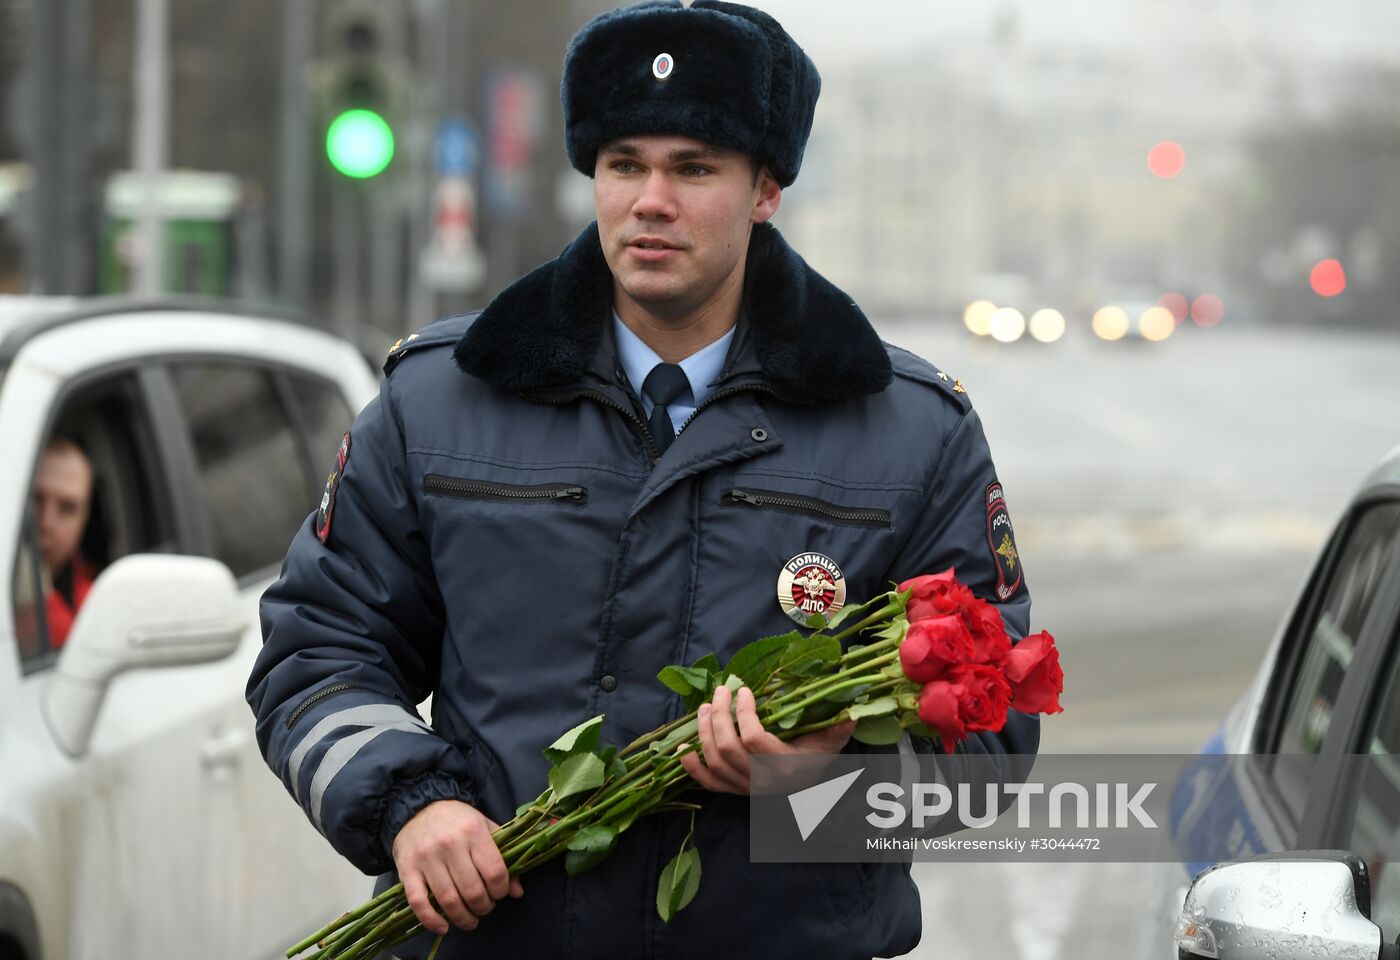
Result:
[
  {"x": 811, "y": 583},
  {"x": 1002, "y": 539},
  {"x": 662, "y": 66},
  {"x": 323, "y": 515}
]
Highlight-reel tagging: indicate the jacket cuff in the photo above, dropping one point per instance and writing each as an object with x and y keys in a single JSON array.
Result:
[{"x": 413, "y": 795}]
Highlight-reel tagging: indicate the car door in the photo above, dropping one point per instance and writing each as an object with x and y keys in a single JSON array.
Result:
[
  {"x": 1359, "y": 805},
  {"x": 256, "y": 440},
  {"x": 126, "y": 829},
  {"x": 1264, "y": 798}
]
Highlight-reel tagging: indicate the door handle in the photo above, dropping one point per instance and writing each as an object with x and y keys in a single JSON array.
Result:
[{"x": 223, "y": 748}]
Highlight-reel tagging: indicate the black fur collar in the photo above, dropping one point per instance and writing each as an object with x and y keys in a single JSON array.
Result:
[{"x": 810, "y": 340}]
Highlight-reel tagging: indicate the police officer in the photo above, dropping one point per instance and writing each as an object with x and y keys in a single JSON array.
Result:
[{"x": 606, "y": 471}]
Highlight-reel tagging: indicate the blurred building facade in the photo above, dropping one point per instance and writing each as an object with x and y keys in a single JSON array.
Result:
[{"x": 934, "y": 172}]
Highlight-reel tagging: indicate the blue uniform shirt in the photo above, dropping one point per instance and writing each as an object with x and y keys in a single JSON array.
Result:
[{"x": 701, "y": 368}]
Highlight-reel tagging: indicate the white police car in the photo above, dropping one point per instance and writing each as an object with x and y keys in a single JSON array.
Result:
[
  {"x": 137, "y": 818},
  {"x": 1300, "y": 789}
]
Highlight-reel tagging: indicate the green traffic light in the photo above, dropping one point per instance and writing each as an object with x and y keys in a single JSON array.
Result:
[{"x": 359, "y": 143}]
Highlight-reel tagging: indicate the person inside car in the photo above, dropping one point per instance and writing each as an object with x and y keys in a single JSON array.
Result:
[{"x": 62, "y": 503}]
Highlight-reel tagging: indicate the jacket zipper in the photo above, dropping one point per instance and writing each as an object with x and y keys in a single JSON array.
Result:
[
  {"x": 729, "y": 392},
  {"x": 558, "y": 399},
  {"x": 853, "y": 516},
  {"x": 323, "y": 693},
  {"x": 436, "y": 483}
]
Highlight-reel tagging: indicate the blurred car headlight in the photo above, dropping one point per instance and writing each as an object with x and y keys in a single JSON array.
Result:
[
  {"x": 1007, "y": 324},
  {"x": 1111, "y": 323},
  {"x": 1047, "y": 325},
  {"x": 1156, "y": 323},
  {"x": 978, "y": 316}
]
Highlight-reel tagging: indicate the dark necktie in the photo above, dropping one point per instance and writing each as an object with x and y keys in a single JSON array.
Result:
[{"x": 663, "y": 385}]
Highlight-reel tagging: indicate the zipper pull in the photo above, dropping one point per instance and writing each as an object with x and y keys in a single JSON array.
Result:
[
  {"x": 743, "y": 496},
  {"x": 571, "y": 493}
]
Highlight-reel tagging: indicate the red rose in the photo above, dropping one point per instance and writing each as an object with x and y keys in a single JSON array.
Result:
[
  {"x": 970, "y": 697},
  {"x": 935, "y": 595},
  {"x": 986, "y": 695},
  {"x": 934, "y": 645},
  {"x": 1033, "y": 667},
  {"x": 989, "y": 637},
  {"x": 938, "y": 707}
]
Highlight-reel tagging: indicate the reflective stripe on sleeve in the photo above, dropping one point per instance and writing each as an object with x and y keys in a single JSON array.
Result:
[
  {"x": 341, "y": 753},
  {"x": 365, "y": 715}
]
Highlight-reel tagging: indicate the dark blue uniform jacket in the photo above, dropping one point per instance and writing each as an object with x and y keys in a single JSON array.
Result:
[{"x": 497, "y": 534}]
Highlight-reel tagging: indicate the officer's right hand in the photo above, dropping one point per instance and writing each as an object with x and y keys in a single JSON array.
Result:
[{"x": 447, "y": 850}]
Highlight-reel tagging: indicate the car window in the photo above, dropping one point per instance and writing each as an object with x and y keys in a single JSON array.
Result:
[
  {"x": 31, "y": 633},
  {"x": 325, "y": 415},
  {"x": 1329, "y": 644},
  {"x": 1375, "y": 832},
  {"x": 97, "y": 493},
  {"x": 256, "y": 485}
]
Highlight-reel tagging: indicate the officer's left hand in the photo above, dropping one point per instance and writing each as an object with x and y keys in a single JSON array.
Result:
[{"x": 725, "y": 767}]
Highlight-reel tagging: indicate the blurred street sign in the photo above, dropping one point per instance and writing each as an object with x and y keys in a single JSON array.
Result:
[
  {"x": 452, "y": 261},
  {"x": 516, "y": 117},
  {"x": 456, "y": 148},
  {"x": 195, "y": 210}
]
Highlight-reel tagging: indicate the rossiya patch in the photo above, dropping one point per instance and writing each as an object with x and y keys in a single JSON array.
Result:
[
  {"x": 1002, "y": 541},
  {"x": 323, "y": 516}
]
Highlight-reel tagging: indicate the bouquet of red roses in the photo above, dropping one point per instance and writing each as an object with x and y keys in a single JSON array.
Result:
[{"x": 935, "y": 661}]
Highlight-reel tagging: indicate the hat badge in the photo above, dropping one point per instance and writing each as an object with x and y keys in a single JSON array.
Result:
[{"x": 662, "y": 66}]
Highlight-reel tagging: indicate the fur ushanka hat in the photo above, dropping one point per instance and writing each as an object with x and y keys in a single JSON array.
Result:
[{"x": 720, "y": 72}]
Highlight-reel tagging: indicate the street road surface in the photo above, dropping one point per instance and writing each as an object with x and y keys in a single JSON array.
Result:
[{"x": 1168, "y": 500}]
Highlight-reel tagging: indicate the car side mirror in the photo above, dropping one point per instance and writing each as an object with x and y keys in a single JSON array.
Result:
[
  {"x": 1314, "y": 903},
  {"x": 145, "y": 610}
]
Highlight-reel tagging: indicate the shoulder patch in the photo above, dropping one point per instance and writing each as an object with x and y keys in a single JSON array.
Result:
[
  {"x": 445, "y": 332},
  {"x": 913, "y": 367},
  {"x": 327, "y": 509},
  {"x": 1002, "y": 541}
]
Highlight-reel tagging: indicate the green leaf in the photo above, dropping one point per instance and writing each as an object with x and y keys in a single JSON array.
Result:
[
  {"x": 607, "y": 753},
  {"x": 847, "y": 695},
  {"x": 894, "y": 630},
  {"x": 577, "y": 774},
  {"x": 858, "y": 612},
  {"x": 878, "y": 731},
  {"x": 617, "y": 769},
  {"x": 594, "y": 837},
  {"x": 577, "y": 861},
  {"x": 679, "y": 882},
  {"x": 708, "y": 662},
  {"x": 805, "y": 650},
  {"x": 821, "y": 710},
  {"x": 879, "y": 707},
  {"x": 807, "y": 668},
  {"x": 920, "y": 729},
  {"x": 791, "y": 720},
  {"x": 581, "y": 739},
  {"x": 816, "y": 621},
  {"x": 524, "y": 808},
  {"x": 685, "y": 680},
  {"x": 755, "y": 662}
]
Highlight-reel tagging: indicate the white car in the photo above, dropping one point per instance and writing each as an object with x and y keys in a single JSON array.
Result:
[
  {"x": 1289, "y": 818},
  {"x": 137, "y": 818}
]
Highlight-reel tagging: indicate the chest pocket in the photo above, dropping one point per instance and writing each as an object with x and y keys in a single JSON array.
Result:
[
  {"x": 808, "y": 506},
  {"x": 753, "y": 527},
  {"x": 440, "y": 485}
]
